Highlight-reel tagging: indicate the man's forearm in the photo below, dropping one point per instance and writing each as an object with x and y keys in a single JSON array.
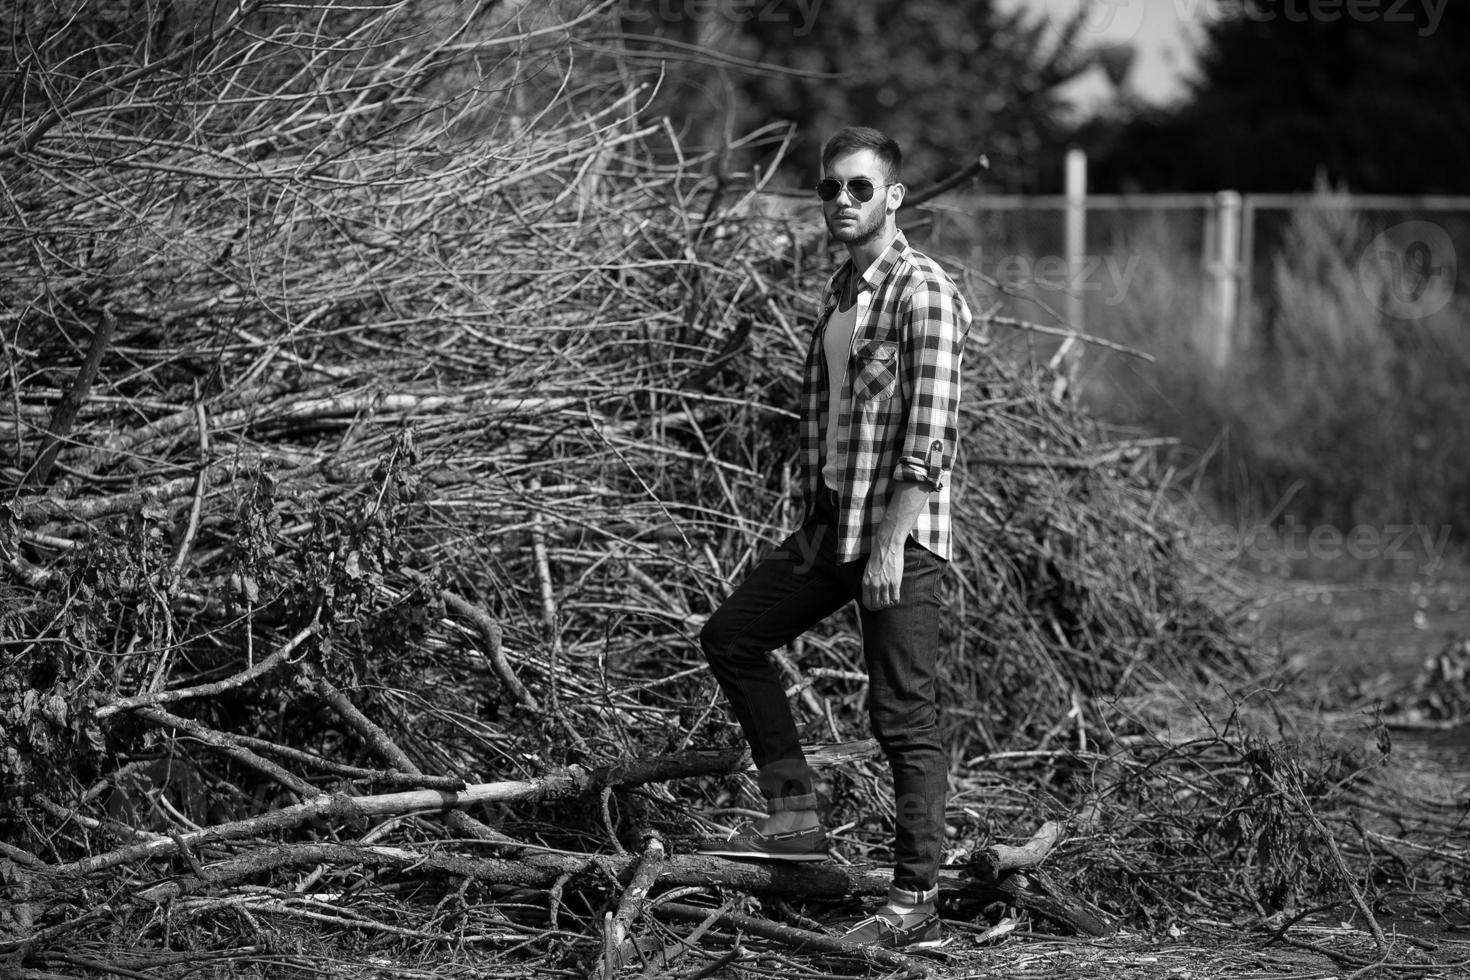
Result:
[
  {"x": 883, "y": 576},
  {"x": 906, "y": 502}
]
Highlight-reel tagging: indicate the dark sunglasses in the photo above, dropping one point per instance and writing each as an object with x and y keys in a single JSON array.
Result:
[{"x": 861, "y": 189}]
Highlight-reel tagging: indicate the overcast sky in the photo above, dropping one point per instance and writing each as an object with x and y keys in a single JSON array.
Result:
[{"x": 1164, "y": 32}]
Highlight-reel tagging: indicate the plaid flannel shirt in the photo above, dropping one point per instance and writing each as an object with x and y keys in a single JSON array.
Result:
[{"x": 898, "y": 412}]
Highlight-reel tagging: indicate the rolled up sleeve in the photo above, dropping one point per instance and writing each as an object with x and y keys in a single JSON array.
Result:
[{"x": 934, "y": 320}]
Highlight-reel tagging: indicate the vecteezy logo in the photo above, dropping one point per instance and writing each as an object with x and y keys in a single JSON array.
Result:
[
  {"x": 1410, "y": 270},
  {"x": 1103, "y": 24}
]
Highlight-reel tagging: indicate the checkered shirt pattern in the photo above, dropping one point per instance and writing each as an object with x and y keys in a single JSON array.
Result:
[{"x": 898, "y": 413}]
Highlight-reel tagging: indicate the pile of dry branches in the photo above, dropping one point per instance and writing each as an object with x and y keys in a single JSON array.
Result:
[{"x": 387, "y": 403}]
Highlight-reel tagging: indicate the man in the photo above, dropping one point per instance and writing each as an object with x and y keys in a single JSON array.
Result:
[{"x": 878, "y": 429}]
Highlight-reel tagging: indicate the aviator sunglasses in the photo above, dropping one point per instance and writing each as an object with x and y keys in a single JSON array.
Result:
[{"x": 861, "y": 189}]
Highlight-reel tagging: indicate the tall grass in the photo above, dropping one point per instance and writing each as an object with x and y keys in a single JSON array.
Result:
[{"x": 1329, "y": 416}]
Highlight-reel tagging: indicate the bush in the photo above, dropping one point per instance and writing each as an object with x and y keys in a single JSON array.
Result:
[{"x": 1332, "y": 413}]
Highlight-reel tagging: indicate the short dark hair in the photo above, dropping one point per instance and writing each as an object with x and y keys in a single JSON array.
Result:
[{"x": 855, "y": 138}]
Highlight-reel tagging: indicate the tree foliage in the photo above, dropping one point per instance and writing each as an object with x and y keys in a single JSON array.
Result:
[
  {"x": 1287, "y": 93},
  {"x": 948, "y": 80}
]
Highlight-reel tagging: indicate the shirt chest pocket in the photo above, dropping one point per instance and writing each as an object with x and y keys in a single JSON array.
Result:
[{"x": 877, "y": 371}]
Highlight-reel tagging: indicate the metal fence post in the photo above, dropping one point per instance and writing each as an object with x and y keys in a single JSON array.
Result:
[
  {"x": 1076, "y": 235},
  {"x": 1068, "y": 358},
  {"x": 1226, "y": 272},
  {"x": 1244, "y": 327}
]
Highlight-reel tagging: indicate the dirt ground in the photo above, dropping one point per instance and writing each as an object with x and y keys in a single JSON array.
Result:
[
  {"x": 1360, "y": 636},
  {"x": 1206, "y": 951},
  {"x": 1349, "y": 640}
]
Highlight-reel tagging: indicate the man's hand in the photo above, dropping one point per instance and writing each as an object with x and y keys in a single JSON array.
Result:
[{"x": 883, "y": 577}]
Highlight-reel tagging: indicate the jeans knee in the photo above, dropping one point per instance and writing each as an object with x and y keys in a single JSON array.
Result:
[{"x": 714, "y": 639}]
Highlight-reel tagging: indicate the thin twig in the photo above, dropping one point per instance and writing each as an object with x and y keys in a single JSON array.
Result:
[{"x": 232, "y": 682}]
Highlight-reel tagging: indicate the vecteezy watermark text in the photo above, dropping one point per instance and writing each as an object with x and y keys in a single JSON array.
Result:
[
  {"x": 1110, "y": 275},
  {"x": 800, "y": 14},
  {"x": 1119, "y": 21},
  {"x": 1320, "y": 11},
  {"x": 1293, "y": 541}
]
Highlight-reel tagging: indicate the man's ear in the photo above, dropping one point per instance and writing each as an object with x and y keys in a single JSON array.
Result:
[{"x": 895, "y": 196}]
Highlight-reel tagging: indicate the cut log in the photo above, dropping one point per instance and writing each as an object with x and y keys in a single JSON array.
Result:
[
  {"x": 1036, "y": 894},
  {"x": 573, "y": 781},
  {"x": 990, "y": 876},
  {"x": 991, "y": 863},
  {"x": 540, "y": 870},
  {"x": 798, "y": 939}
]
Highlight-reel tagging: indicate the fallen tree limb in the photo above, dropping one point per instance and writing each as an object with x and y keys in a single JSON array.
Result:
[
  {"x": 490, "y": 632},
  {"x": 196, "y": 507},
  {"x": 798, "y": 939},
  {"x": 992, "y": 862},
  {"x": 21, "y": 856},
  {"x": 1036, "y": 894},
  {"x": 545, "y": 868},
  {"x": 336, "y": 807},
  {"x": 618, "y": 928},
  {"x": 390, "y": 752},
  {"x": 356, "y": 774},
  {"x": 71, "y": 403},
  {"x": 226, "y": 744},
  {"x": 539, "y": 870},
  {"x": 55, "y": 507}
]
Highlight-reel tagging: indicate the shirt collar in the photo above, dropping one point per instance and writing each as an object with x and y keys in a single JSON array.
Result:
[{"x": 876, "y": 272}]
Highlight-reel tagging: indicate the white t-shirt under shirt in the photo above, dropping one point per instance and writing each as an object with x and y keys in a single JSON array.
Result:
[{"x": 837, "y": 345}]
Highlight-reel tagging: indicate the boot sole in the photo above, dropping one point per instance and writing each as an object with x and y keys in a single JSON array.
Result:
[
  {"x": 755, "y": 856},
  {"x": 922, "y": 945},
  {"x": 929, "y": 943}
]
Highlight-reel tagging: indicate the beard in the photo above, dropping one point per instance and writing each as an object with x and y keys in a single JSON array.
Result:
[{"x": 864, "y": 230}]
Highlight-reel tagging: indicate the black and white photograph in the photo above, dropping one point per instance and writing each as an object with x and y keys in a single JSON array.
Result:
[{"x": 734, "y": 489}]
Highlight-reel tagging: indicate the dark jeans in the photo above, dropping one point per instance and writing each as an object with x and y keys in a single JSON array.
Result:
[{"x": 791, "y": 590}]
